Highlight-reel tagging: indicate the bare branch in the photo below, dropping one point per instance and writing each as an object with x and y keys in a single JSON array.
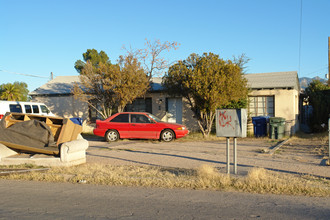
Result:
[{"x": 151, "y": 55}]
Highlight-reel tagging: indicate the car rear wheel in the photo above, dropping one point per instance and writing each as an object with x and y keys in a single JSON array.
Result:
[
  {"x": 167, "y": 135},
  {"x": 112, "y": 135}
]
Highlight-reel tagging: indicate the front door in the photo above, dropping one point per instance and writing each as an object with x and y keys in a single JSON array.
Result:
[{"x": 174, "y": 110}]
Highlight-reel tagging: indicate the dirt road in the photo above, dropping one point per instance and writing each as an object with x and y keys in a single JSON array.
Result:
[{"x": 290, "y": 158}]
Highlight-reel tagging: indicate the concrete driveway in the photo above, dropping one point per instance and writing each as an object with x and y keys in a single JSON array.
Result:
[{"x": 181, "y": 154}]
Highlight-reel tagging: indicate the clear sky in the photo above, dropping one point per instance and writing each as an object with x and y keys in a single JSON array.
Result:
[{"x": 42, "y": 36}]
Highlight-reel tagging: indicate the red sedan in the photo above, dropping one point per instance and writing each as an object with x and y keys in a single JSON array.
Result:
[{"x": 138, "y": 125}]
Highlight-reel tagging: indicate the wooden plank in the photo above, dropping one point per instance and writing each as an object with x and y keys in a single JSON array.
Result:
[
  {"x": 26, "y": 118},
  {"x": 52, "y": 151}
]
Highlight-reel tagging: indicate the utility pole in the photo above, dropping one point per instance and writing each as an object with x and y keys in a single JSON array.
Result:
[{"x": 328, "y": 61}]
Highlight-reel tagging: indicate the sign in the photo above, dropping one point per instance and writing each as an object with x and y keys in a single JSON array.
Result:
[{"x": 231, "y": 122}]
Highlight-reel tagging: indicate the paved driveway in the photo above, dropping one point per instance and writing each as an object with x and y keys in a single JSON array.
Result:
[{"x": 194, "y": 154}]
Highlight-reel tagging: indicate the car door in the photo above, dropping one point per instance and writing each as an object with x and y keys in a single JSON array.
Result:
[
  {"x": 121, "y": 124},
  {"x": 142, "y": 127}
]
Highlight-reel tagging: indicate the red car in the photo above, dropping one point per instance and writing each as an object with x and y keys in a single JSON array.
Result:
[{"x": 138, "y": 125}]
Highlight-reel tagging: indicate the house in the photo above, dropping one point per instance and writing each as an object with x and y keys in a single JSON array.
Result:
[
  {"x": 275, "y": 95},
  {"x": 57, "y": 95},
  {"x": 272, "y": 94}
]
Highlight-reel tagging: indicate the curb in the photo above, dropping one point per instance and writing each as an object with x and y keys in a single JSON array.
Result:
[{"x": 277, "y": 146}]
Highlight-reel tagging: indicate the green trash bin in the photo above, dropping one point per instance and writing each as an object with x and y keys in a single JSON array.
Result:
[{"x": 277, "y": 127}]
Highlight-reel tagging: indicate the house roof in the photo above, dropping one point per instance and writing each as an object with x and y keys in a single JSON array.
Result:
[
  {"x": 59, "y": 86},
  {"x": 63, "y": 85},
  {"x": 275, "y": 80}
]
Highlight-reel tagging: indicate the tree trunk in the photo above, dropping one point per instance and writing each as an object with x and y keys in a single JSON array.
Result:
[{"x": 205, "y": 122}]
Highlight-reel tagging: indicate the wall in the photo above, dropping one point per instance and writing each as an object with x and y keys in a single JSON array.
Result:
[
  {"x": 159, "y": 110},
  {"x": 286, "y": 105},
  {"x": 64, "y": 106}
]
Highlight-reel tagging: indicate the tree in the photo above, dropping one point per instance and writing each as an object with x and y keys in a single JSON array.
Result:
[
  {"x": 23, "y": 91},
  {"x": 94, "y": 57},
  {"x": 93, "y": 88},
  {"x": 14, "y": 92},
  {"x": 106, "y": 86},
  {"x": 129, "y": 82},
  {"x": 207, "y": 82},
  {"x": 241, "y": 61},
  {"x": 10, "y": 92},
  {"x": 319, "y": 98},
  {"x": 151, "y": 57}
]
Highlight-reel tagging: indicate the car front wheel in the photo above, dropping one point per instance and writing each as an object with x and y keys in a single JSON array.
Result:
[
  {"x": 112, "y": 135},
  {"x": 167, "y": 135}
]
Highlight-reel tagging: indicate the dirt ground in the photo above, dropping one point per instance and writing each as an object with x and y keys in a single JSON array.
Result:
[{"x": 297, "y": 156}]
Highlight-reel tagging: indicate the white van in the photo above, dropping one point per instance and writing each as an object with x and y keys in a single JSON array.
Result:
[{"x": 24, "y": 107}]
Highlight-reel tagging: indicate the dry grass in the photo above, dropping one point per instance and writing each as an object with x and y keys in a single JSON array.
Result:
[
  {"x": 313, "y": 136},
  {"x": 262, "y": 181},
  {"x": 206, "y": 177}
]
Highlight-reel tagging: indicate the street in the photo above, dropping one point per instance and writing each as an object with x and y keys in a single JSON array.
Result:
[{"x": 41, "y": 200}]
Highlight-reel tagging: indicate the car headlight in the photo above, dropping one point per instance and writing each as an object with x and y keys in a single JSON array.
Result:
[{"x": 181, "y": 128}]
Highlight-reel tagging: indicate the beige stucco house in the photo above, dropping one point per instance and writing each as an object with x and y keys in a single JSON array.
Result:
[
  {"x": 275, "y": 95},
  {"x": 272, "y": 94}
]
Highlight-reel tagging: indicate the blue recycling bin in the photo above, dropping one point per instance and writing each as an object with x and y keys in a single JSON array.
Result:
[{"x": 260, "y": 125}]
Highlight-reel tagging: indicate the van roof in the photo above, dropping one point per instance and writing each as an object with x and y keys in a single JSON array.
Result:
[{"x": 19, "y": 102}]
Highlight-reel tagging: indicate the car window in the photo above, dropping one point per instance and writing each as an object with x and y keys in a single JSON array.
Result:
[
  {"x": 44, "y": 109},
  {"x": 15, "y": 108},
  {"x": 121, "y": 118},
  {"x": 138, "y": 118},
  {"x": 35, "y": 108},
  {"x": 154, "y": 118},
  {"x": 28, "y": 109}
]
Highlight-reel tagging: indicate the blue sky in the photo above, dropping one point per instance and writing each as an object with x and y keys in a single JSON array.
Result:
[{"x": 42, "y": 36}]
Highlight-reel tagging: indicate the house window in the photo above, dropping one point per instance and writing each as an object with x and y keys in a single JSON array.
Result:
[
  {"x": 140, "y": 105},
  {"x": 93, "y": 114},
  {"x": 261, "y": 106}
]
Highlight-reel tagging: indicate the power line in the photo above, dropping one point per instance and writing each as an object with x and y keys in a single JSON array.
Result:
[
  {"x": 23, "y": 74},
  {"x": 323, "y": 68}
]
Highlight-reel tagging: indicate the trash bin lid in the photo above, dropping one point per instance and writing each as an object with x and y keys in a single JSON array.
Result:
[
  {"x": 260, "y": 119},
  {"x": 276, "y": 120}
]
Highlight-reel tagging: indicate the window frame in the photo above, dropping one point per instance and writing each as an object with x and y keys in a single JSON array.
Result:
[{"x": 265, "y": 109}]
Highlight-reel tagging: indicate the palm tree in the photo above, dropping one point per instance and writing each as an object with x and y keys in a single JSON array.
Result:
[{"x": 10, "y": 92}]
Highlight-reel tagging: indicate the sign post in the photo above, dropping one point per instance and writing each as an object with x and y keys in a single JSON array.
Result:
[
  {"x": 231, "y": 123},
  {"x": 228, "y": 155},
  {"x": 235, "y": 155}
]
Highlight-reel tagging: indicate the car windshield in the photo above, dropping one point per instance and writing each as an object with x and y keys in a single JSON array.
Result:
[{"x": 154, "y": 118}]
